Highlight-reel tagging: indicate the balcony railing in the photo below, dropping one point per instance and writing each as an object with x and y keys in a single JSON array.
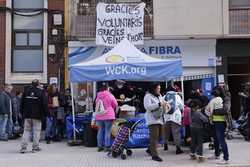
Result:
[
  {"x": 83, "y": 18},
  {"x": 83, "y": 27},
  {"x": 239, "y": 21}
]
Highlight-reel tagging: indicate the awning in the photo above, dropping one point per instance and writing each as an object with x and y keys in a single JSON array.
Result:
[{"x": 125, "y": 62}]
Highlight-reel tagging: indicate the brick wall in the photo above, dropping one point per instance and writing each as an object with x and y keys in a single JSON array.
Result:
[
  {"x": 2, "y": 43},
  {"x": 54, "y": 6}
]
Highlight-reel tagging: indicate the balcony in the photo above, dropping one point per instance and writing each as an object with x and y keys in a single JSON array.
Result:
[
  {"x": 239, "y": 21},
  {"x": 83, "y": 27},
  {"x": 83, "y": 20}
]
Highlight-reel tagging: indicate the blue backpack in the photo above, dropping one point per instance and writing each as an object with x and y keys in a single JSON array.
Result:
[{"x": 171, "y": 99}]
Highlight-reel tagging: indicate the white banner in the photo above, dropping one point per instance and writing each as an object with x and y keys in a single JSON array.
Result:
[{"x": 117, "y": 21}]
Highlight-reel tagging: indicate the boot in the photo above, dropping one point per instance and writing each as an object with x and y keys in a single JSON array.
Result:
[
  {"x": 165, "y": 147},
  {"x": 156, "y": 158},
  {"x": 148, "y": 152},
  {"x": 178, "y": 150},
  {"x": 48, "y": 140}
]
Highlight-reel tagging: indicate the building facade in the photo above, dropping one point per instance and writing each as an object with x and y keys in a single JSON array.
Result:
[
  {"x": 212, "y": 37},
  {"x": 32, "y": 40}
]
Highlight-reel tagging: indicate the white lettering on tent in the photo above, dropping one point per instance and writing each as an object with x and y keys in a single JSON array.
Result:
[
  {"x": 118, "y": 21},
  {"x": 125, "y": 70}
]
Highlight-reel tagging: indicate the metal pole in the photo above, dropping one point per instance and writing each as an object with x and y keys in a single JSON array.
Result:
[
  {"x": 73, "y": 111},
  {"x": 182, "y": 88}
]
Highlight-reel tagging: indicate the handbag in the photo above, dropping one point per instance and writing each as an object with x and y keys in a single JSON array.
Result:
[
  {"x": 60, "y": 114},
  {"x": 158, "y": 113},
  {"x": 220, "y": 111},
  {"x": 17, "y": 129},
  {"x": 99, "y": 109}
]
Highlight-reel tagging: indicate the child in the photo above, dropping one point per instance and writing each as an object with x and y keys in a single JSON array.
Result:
[
  {"x": 186, "y": 124},
  {"x": 197, "y": 126}
]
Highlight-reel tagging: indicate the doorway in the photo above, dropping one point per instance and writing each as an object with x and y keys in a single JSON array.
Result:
[{"x": 238, "y": 74}]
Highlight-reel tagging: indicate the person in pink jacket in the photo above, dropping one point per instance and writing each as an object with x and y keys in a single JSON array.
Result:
[{"x": 104, "y": 121}]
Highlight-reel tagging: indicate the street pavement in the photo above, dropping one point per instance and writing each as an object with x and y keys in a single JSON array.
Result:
[{"x": 61, "y": 155}]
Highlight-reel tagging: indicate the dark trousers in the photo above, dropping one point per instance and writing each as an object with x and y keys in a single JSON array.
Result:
[
  {"x": 60, "y": 129},
  {"x": 175, "y": 129},
  {"x": 219, "y": 139},
  {"x": 248, "y": 126},
  {"x": 155, "y": 134},
  {"x": 197, "y": 141},
  {"x": 187, "y": 134}
]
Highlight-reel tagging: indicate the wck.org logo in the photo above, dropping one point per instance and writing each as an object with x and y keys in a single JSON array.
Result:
[{"x": 126, "y": 70}]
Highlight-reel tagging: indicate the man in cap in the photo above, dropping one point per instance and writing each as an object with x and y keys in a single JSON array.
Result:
[{"x": 34, "y": 109}]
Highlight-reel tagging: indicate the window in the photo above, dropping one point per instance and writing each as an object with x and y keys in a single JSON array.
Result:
[
  {"x": 239, "y": 3},
  {"x": 28, "y": 22},
  {"x": 28, "y": 4},
  {"x": 28, "y": 39},
  {"x": 27, "y": 43},
  {"x": 21, "y": 39},
  {"x": 27, "y": 60}
]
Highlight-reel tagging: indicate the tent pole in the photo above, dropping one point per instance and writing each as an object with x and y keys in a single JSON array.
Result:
[
  {"x": 94, "y": 90},
  {"x": 182, "y": 88},
  {"x": 73, "y": 111}
]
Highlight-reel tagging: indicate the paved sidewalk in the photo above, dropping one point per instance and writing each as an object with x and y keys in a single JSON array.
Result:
[{"x": 61, "y": 155}]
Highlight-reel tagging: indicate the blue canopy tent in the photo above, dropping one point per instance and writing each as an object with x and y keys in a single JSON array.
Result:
[{"x": 125, "y": 62}]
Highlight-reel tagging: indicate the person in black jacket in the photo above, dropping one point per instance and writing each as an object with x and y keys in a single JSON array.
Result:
[
  {"x": 34, "y": 109},
  {"x": 5, "y": 113}
]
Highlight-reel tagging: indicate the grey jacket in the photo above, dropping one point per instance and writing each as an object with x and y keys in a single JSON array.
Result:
[
  {"x": 151, "y": 103},
  {"x": 198, "y": 119},
  {"x": 5, "y": 102}
]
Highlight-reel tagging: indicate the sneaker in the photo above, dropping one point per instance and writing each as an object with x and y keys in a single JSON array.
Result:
[
  {"x": 214, "y": 157},
  {"x": 193, "y": 156},
  {"x": 148, "y": 152},
  {"x": 48, "y": 141},
  {"x": 201, "y": 159},
  {"x": 100, "y": 149},
  {"x": 3, "y": 139},
  {"x": 222, "y": 162},
  {"x": 36, "y": 149},
  {"x": 156, "y": 158},
  {"x": 107, "y": 149},
  {"x": 178, "y": 151},
  {"x": 165, "y": 147},
  {"x": 23, "y": 150}
]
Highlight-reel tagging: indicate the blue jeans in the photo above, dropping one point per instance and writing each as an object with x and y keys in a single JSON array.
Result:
[
  {"x": 10, "y": 126},
  {"x": 50, "y": 131},
  {"x": 104, "y": 133},
  {"x": 219, "y": 139},
  {"x": 3, "y": 126}
]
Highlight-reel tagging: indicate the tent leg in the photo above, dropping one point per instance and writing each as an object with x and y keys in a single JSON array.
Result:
[
  {"x": 182, "y": 88},
  {"x": 73, "y": 112}
]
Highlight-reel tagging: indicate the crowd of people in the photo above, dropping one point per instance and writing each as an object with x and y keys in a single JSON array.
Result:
[
  {"x": 40, "y": 107},
  {"x": 167, "y": 116},
  {"x": 27, "y": 113}
]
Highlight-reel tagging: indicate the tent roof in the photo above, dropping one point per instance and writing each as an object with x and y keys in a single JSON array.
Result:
[
  {"x": 124, "y": 52},
  {"x": 125, "y": 62}
]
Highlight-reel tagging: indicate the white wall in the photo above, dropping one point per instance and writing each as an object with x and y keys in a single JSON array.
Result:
[{"x": 190, "y": 18}]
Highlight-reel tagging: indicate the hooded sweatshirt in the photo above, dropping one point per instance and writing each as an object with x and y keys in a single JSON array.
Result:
[
  {"x": 215, "y": 103},
  {"x": 151, "y": 103},
  {"x": 110, "y": 105}
]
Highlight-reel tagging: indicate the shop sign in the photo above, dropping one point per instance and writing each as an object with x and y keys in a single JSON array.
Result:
[
  {"x": 117, "y": 21},
  {"x": 194, "y": 53}
]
